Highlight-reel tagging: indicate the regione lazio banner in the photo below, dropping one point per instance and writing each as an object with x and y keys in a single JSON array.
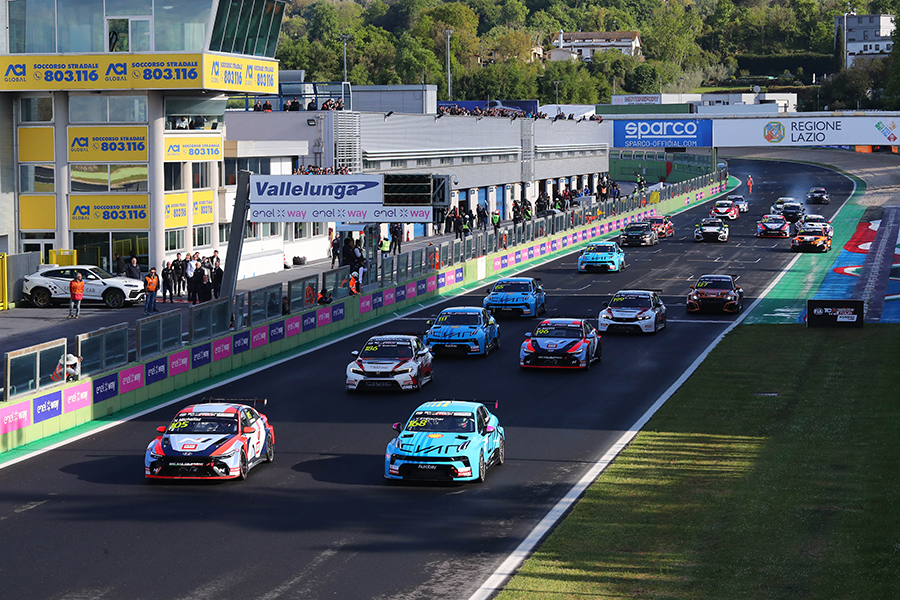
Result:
[
  {"x": 324, "y": 198},
  {"x": 668, "y": 133},
  {"x": 807, "y": 131}
]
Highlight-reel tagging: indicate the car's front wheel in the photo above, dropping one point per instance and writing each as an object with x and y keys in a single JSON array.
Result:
[
  {"x": 501, "y": 452},
  {"x": 270, "y": 448},
  {"x": 114, "y": 298},
  {"x": 482, "y": 469},
  {"x": 40, "y": 297},
  {"x": 245, "y": 467}
]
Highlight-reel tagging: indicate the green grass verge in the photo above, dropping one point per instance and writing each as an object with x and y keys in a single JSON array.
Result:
[{"x": 772, "y": 473}]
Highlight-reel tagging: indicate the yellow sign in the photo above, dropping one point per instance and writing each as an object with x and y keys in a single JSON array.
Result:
[
  {"x": 37, "y": 212},
  {"x": 107, "y": 144},
  {"x": 138, "y": 72},
  {"x": 35, "y": 144},
  {"x": 176, "y": 210},
  {"x": 193, "y": 147},
  {"x": 203, "y": 207},
  {"x": 112, "y": 211},
  {"x": 238, "y": 74}
]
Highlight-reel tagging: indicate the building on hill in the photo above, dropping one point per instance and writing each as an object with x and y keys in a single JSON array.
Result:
[
  {"x": 868, "y": 36},
  {"x": 584, "y": 45}
]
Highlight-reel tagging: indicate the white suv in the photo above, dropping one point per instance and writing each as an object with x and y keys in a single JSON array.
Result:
[{"x": 51, "y": 284}]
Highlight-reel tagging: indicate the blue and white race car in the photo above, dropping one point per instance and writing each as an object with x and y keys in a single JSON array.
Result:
[
  {"x": 561, "y": 344},
  {"x": 213, "y": 440},
  {"x": 471, "y": 330},
  {"x": 606, "y": 256},
  {"x": 446, "y": 440},
  {"x": 516, "y": 295}
]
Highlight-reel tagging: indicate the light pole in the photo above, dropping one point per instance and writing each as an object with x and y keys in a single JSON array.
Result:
[
  {"x": 447, "y": 34},
  {"x": 556, "y": 83},
  {"x": 345, "y": 37},
  {"x": 680, "y": 90}
]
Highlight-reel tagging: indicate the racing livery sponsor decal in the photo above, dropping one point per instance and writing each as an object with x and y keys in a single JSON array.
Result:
[
  {"x": 240, "y": 342},
  {"x": 337, "y": 312},
  {"x": 221, "y": 348},
  {"x": 180, "y": 362},
  {"x": 106, "y": 387},
  {"x": 47, "y": 406},
  {"x": 294, "y": 325},
  {"x": 155, "y": 370},
  {"x": 15, "y": 417},
  {"x": 377, "y": 300},
  {"x": 201, "y": 355},
  {"x": 78, "y": 396},
  {"x": 131, "y": 379},
  {"x": 276, "y": 331},
  {"x": 259, "y": 336}
]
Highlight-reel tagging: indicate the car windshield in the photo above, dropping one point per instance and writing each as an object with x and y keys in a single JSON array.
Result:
[
  {"x": 773, "y": 219},
  {"x": 204, "y": 424},
  {"x": 723, "y": 204},
  {"x": 815, "y": 232},
  {"x": 511, "y": 286},
  {"x": 814, "y": 219},
  {"x": 656, "y": 220},
  {"x": 446, "y": 422},
  {"x": 599, "y": 248},
  {"x": 386, "y": 349},
  {"x": 630, "y": 301},
  {"x": 637, "y": 228},
  {"x": 554, "y": 330},
  {"x": 710, "y": 223},
  {"x": 736, "y": 198},
  {"x": 817, "y": 191},
  {"x": 101, "y": 273},
  {"x": 713, "y": 283},
  {"x": 792, "y": 206},
  {"x": 458, "y": 318}
]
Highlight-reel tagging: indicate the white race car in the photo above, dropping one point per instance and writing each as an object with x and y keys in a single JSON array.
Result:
[
  {"x": 51, "y": 284},
  {"x": 634, "y": 310},
  {"x": 812, "y": 221},
  {"x": 740, "y": 202},
  {"x": 390, "y": 362}
]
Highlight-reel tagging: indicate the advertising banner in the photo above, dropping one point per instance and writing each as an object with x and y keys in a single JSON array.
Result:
[
  {"x": 107, "y": 144},
  {"x": 807, "y": 131},
  {"x": 238, "y": 74},
  {"x": 636, "y": 99},
  {"x": 176, "y": 210},
  {"x": 663, "y": 133},
  {"x": 184, "y": 147},
  {"x": 324, "y": 198},
  {"x": 47, "y": 407},
  {"x": 203, "y": 207},
  {"x": 113, "y": 211},
  {"x": 201, "y": 355},
  {"x": 15, "y": 417},
  {"x": 835, "y": 313},
  {"x": 155, "y": 370},
  {"x": 131, "y": 379},
  {"x": 77, "y": 396}
]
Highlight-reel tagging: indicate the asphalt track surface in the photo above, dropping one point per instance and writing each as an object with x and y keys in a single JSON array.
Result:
[{"x": 81, "y": 522}]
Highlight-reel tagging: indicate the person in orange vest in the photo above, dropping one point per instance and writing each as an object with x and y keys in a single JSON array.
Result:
[
  {"x": 749, "y": 184},
  {"x": 151, "y": 286},
  {"x": 68, "y": 368},
  {"x": 354, "y": 283},
  {"x": 76, "y": 293}
]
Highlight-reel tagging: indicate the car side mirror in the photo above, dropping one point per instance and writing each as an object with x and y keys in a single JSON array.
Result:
[
  {"x": 396, "y": 427},
  {"x": 528, "y": 336},
  {"x": 692, "y": 287},
  {"x": 489, "y": 429},
  {"x": 606, "y": 305},
  {"x": 249, "y": 430},
  {"x": 161, "y": 429},
  {"x": 429, "y": 322},
  {"x": 355, "y": 353}
]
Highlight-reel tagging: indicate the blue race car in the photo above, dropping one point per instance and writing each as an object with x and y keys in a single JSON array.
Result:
[
  {"x": 446, "y": 440},
  {"x": 471, "y": 330},
  {"x": 561, "y": 344},
  {"x": 516, "y": 295},
  {"x": 606, "y": 256}
]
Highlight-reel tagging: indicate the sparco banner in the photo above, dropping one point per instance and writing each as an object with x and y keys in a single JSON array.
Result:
[
  {"x": 327, "y": 198},
  {"x": 669, "y": 133},
  {"x": 807, "y": 131},
  {"x": 835, "y": 313}
]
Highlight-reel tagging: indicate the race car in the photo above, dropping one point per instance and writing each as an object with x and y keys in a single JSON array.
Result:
[
  {"x": 390, "y": 362},
  {"x": 773, "y": 226},
  {"x": 779, "y": 204},
  {"x": 446, "y": 440},
  {"x": 605, "y": 256},
  {"x": 740, "y": 202},
  {"x": 711, "y": 230},
  {"x": 662, "y": 225},
  {"x": 816, "y": 222},
  {"x": 811, "y": 239},
  {"x": 561, "y": 344},
  {"x": 716, "y": 292},
  {"x": 51, "y": 284},
  {"x": 724, "y": 209},
  {"x": 516, "y": 295},
  {"x": 470, "y": 330},
  {"x": 218, "y": 439},
  {"x": 634, "y": 311},
  {"x": 792, "y": 211},
  {"x": 638, "y": 234},
  {"x": 818, "y": 195}
]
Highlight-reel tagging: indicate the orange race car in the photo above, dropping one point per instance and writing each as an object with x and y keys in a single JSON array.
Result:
[{"x": 814, "y": 240}]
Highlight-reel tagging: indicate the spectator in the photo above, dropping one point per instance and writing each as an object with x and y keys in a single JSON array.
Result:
[
  {"x": 218, "y": 274},
  {"x": 178, "y": 273},
  {"x": 204, "y": 286},
  {"x": 76, "y": 293},
  {"x": 458, "y": 227},
  {"x": 133, "y": 271},
  {"x": 324, "y": 297},
  {"x": 311, "y": 105},
  {"x": 396, "y": 237},
  {"x": 267, "y": 106},
  {"x": 151, "y": 286},
  {"x": 257, "y": 107},
  {"x": 295, "y": 105},
  {"x": 285, "y": 306},
  {"x": 385, "y": 247},
  {"x": 168, "y": 283},
  {"x": 336, "y": 250},
  {"x": 348, "y": 255}
]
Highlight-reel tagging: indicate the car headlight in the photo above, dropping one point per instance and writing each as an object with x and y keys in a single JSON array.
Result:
[
  {"x": 694, "y": 297},
  {"x": 227, "y": 454},
  {"x": 605, "y": 315},
  {"x": 644, "y": 317},
  {"x": 403, "y": 371},
  {"x": 356, "y": 371},
  {"x": 155, "y": 456},
  {"x": 128, "y": 285}
]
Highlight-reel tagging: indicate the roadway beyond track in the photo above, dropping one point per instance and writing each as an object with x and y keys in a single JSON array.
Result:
[{"x": 81, "y": 522}]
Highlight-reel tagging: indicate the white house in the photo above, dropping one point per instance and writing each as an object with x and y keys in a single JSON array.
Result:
[
  {"x": 584, "y": 44},
  {"x": 867, "y": 35}
]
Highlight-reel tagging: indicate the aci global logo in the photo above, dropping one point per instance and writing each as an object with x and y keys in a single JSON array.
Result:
[
  {"x": 14, "y": 73},
  {"x": 773, "y": 131},
  {"x": 79, "y": 144}
]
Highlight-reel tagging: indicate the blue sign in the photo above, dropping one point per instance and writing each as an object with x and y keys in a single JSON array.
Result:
[
  {"x": 241, "y": 341},
  {"x": 518, "y": 256},
  {"x": 276, "y": 331},
  {"x": 377, "y": 300},
  {"x": 459, "y": 275},
  {"x": 441, "y": 280},
  {"x": 309, "y": 321},
  {"x": 106, "y": 387},
  {"x": 201, "y": 355},
  {"x": 421, "y": 287},
  {"x": 337, "y": 312},
  {"x": 668, "y": 133},
  {"x": 155, "y": 370},
  {"x": 400, "y": 293},
  {"x": 47, "y": 407}
]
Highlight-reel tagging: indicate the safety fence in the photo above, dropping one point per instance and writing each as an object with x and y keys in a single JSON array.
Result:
[{"x": 231, "y": 333}]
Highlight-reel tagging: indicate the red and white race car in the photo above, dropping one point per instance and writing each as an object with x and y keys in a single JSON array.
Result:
[
  {"x": 662, "y": 225},
  {"x": 725, "y": 209}
]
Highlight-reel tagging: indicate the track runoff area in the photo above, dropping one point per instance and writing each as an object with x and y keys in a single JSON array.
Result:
[{"x": 318, "y": 519}]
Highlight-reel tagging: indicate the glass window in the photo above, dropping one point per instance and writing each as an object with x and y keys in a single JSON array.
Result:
[
  {"x": 300, "y": 230},
  {"x": 274, "y": 229},
  {"x": 128, "y": 178},
  {"x": 181, "y": 26},
  {"x": 127, "y": 8},
  {"x": 140, "y": 35},
  {"x": 218, "y": 32},
  {"x": 202, "y": 235},
  {"x": 33, "y": 110},
  {"x": 224, "y": 232},
  {"x": 230, "y": 172},
  {"x": 272, "y": 43},
  {"x": 80, "y": 26},
  {"x": 243, "y": 25},
  {"x": 174, "y": 239},
  {"x": 89, "y": 178},
  {"x": 36, "y": 178},
  {"x": 398, "y": 164},
  {"x": 200, "y": 175},
  {"x": 234, "y": 15},
  {"x": 172, "y": 177},
  {"x": 118, "y": 35},
  {"x": 251, "y": 231},
  {"x": 195, "y": 112},
  {"x": 128, "y": 109},
  {"x": 262, "y": 41},
  {"x": 253, "y": 30},
  {"x": 88, "y": 109},
  {"x": 318, "y": 229},
  {"x": 32, "y": 26}
]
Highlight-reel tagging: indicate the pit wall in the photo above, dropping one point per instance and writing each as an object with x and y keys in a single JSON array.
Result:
[{"x": 46, "y": 413}]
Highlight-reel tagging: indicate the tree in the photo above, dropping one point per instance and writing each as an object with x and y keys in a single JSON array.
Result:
[
  {"x": 513, "y": 13},
  {"x": 861, "y": 86},
  {"x": 374, "y": 56},
  {"x": 576, "y": 84},
  {"x": 414, "y": 60},
  {"x": 323, "y": 22},
  {"x": 673, "y": 35}
]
